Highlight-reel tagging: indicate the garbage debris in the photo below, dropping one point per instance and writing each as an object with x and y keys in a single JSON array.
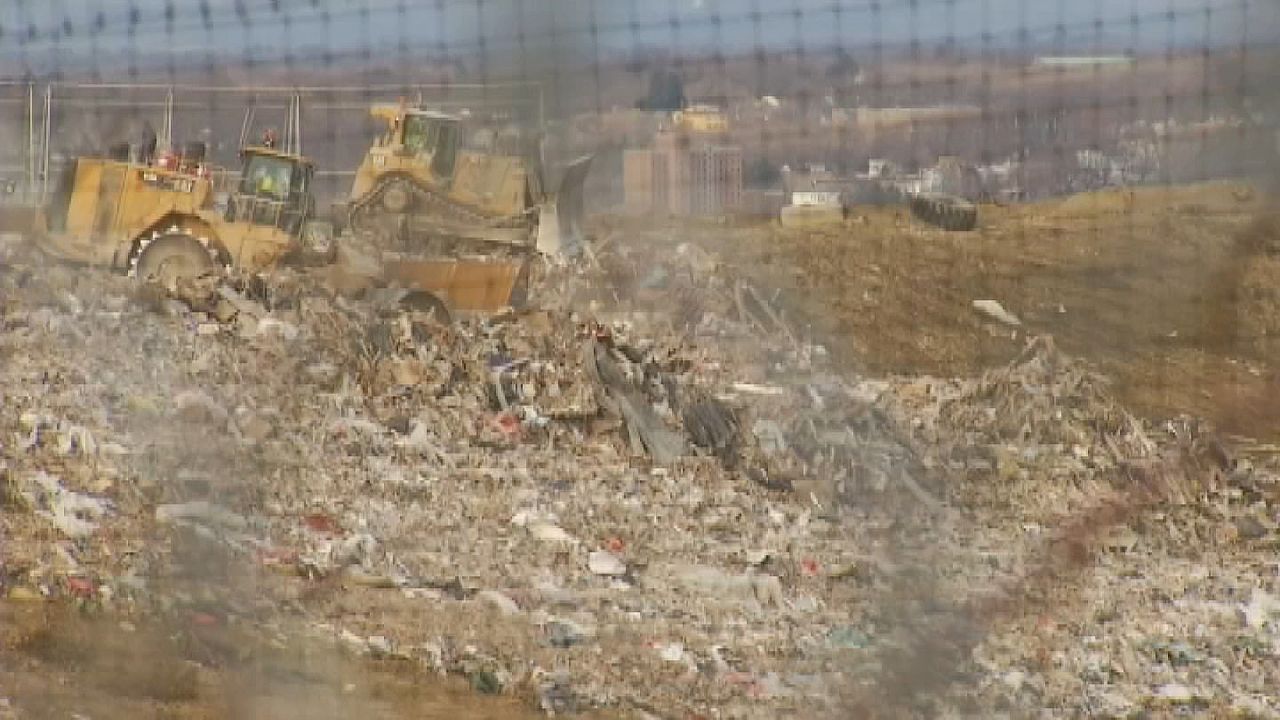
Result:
[
  {"x": 688, "y": 509},
  {"x": 996, "y": 311},
  {"x": 200, "y": 510},
  {"x": 74, "y": 514},
  {"x": 602, "y": 562},
  {"x": 563, "y": 633},
  {"x": 504, "y": 604}
]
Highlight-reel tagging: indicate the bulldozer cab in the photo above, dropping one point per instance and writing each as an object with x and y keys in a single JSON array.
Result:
[
  {"x": 274, "y": 190},
  {"x": 428, "y": 137},
  {"x": 433, "y": 138}
]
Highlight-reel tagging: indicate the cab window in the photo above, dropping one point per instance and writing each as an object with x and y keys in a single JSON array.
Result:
[
  {"x": 420, "y": 134},
  {"x": 442, "y": 163},
  {"x": 271, "y": 177}
]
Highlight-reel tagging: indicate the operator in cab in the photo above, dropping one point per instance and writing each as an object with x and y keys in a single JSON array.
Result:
[
  {"x": 263, "y": 181},
  {"x": 272, "y": 182}
]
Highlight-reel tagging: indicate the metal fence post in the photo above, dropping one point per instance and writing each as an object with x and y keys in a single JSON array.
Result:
[
  {"x": 167, "y": 125},
  {"x": 29, "y": 192},
  {"x": 48, "y": 115}
]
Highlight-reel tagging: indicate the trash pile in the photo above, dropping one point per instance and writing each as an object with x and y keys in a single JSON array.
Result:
[
  {"x": 672, "y": 509},
  {"x": 1100, "y": 540}
]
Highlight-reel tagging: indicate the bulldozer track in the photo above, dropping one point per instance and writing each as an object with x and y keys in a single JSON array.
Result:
[{"x": 430, "y": 215}]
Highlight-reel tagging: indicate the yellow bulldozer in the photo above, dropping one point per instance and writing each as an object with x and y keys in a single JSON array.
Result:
[
  {"x": 162, "y": 220},
  {"x": 428, "y": 186}
]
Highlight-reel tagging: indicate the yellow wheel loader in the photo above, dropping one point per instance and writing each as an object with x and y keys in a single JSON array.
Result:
[
  {"x": 426, "y": 188},
  {"x": 160, "y": 221}
]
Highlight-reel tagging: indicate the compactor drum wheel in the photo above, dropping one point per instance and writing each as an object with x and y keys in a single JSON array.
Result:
[{"x": 172, "y": 256}]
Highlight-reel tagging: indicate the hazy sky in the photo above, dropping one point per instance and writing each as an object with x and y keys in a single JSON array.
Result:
[{"x": 36, "y": 32}]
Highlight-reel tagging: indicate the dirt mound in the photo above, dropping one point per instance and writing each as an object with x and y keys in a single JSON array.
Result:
[
  {"x": 1259, "y": 298},
  {"x": 1094, "y": 204},
  {"x": 1140, "y": 283},
  {"x": 1203, "y": 199},
  {"x": 1260, "y": 237}
]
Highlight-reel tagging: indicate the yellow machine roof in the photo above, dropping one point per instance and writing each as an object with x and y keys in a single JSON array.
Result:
[
  {"x": 272, "y": 152},
  {"x": 392, "y": 111}
]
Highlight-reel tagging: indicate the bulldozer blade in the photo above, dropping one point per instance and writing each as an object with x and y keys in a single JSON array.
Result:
[
  {"x": 481, "y": 286},
  {"x": 560, "y": 216}
]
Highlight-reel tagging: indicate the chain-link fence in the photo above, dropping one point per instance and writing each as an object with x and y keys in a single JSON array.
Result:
[{"x": 1039, "y": 103}]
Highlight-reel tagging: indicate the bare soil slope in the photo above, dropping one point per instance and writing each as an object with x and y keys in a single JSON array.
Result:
[{"x": 1161, "y": 288}]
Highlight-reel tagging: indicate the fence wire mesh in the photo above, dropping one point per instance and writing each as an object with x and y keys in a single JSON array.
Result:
[{"x": 1043, "y": 97}]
